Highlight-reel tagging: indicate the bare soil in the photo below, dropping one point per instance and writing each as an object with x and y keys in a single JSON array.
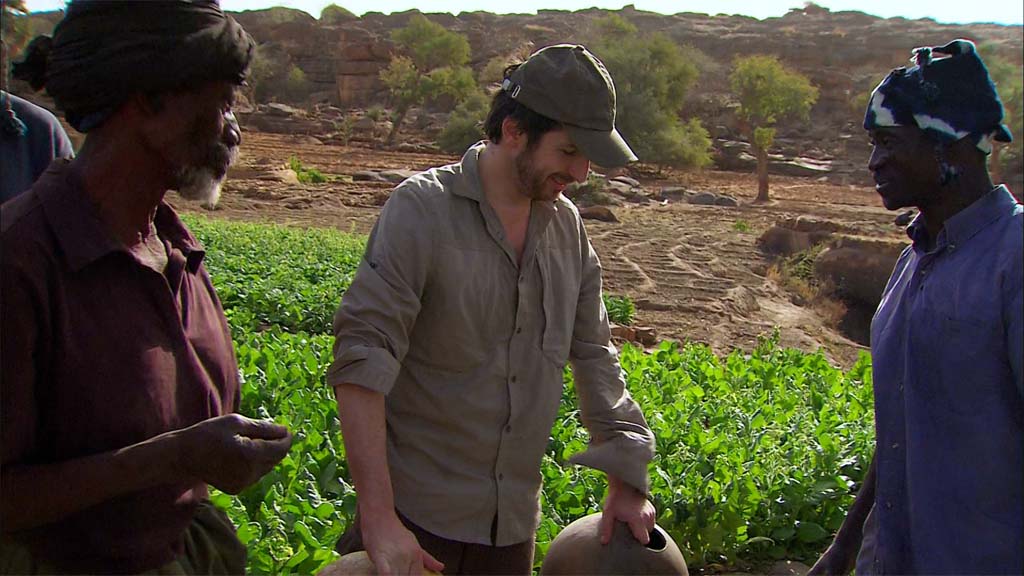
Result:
[{"x": 694, "y": 272}]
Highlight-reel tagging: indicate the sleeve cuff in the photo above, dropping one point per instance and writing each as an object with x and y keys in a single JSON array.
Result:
[
  {"x": 625, "y": 457},
  {"x": 371, "y": 368}
]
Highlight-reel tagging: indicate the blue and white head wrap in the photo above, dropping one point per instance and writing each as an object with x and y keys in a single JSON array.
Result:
[{"x": 948, "y": 98}]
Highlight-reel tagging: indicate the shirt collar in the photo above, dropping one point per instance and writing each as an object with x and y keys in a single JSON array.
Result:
[
  {"x": 963, "y": 225},
  {"x": 82, "y": 236},
  {"x": 470, "y": 185}
]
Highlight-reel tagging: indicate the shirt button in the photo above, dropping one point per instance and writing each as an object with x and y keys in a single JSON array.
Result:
[
  {"x": 895, "y": 445},
  {"x": 519, "y": 329},
  {"x": 888, "y": 505},
  {"x": 508, "y": 429},
  {"x": 513, "y": 378},
  {"x": 500, "y": 476}
]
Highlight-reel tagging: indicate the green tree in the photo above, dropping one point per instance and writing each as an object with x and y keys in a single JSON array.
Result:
[
  {"x": 432, "y": 67},
  {"x": 652, "y": 77},
  {"x": 1009, "y": 80},
  {"x": 465, "y": 124},
  {"x": 272, "y": 76},
  {"x": 296, "y": 84},
  {"x": 767, "y": 93},
  {"x": 333, "y": 14}
]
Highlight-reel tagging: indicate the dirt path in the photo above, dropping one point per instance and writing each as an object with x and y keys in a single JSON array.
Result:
[{"x": 694, "y": 272}]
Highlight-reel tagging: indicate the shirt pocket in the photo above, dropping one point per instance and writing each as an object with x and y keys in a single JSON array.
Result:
[
  {"x": 468, "y": 309},
  {"x": 962, "y": 360},
  {"x": 559, "y": 294}
]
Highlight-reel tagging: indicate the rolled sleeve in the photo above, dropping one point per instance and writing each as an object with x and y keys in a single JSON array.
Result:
[
  {"x": 621, "y": 442},
  {"x": 378, "y": 311}
]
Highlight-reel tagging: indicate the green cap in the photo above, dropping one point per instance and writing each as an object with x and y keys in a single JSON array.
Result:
[{"x": 568, "y": 84}]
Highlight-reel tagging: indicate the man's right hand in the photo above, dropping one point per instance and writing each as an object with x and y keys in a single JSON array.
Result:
[
  {"x": 231, "y": 452},
  {"x": 393, "y": 548}
]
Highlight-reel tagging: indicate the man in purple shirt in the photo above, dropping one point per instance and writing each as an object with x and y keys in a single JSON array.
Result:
[
  {"x": 118, "y": 378},
  {"x": 945, "y": 491}
]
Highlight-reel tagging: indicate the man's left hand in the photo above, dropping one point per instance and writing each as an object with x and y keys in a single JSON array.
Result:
[{"x": 626, "y": 504}]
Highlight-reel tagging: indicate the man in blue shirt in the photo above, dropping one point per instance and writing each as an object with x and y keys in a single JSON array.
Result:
[
  {"x": 945, "y": 491},
  {"x": 30, "y": 138}
]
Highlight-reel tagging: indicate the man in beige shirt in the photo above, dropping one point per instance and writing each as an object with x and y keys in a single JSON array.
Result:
[{"x": 478, "y": 284}]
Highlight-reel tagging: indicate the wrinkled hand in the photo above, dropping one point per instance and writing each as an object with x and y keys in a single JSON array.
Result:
[
  {"x": 393, "y": 549},
  {"x": 231, "y": 452},
  {"x": 625, "y": 504}
]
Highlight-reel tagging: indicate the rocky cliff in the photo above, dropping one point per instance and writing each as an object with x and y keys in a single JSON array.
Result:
[{"x": 844, "y": 54}]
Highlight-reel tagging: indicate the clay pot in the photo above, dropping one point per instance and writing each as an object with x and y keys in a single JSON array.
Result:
[
  {"x": 577, "y": 550},
  {"x": 356, "y": 564}
]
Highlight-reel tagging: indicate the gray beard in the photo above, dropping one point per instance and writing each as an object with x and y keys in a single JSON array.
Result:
[{"x": 202, "y": 184}]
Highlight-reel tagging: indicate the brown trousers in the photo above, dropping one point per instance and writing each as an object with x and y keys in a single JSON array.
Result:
[{"x": 459, "y": 558}]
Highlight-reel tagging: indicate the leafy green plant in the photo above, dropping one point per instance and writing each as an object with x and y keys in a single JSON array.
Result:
[
  {"x": 620, "y": 309},
  {"x": 758, "y": 458},
  {"x": 590, "y": 192},
  {"x": 741, "y": 226},
  {"x": 758, "y": 455},
  {"x": 277, "y": 276},
  {"x": 306, "y": 175}
]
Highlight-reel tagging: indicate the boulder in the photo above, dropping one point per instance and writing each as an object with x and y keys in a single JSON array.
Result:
[
  {"x": 631, "y": 182},
  {"x": 674, "y": 193},
  {"x": 724, "y": 200},
  {"x": 368, "y": 176},
  {"x": 703, "y": 199},
  {"x": 780, "y": 241},
  {"x": 602, "y": 213},
  {"x": 397, "y": 176},
  {"x": 858, "y": 268}
]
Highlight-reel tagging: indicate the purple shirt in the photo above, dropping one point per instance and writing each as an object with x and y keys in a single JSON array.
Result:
[
  {"x": 947, "y": 350},
  {"x": 100, "y": 352}
]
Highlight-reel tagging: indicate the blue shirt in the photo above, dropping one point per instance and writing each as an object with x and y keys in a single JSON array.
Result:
[
  {"x": 947, "y": 348},
  {"x": 23, "y": 158}
]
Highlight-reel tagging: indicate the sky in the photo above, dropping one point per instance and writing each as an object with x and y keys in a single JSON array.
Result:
[{"x": 946, "y": 11}]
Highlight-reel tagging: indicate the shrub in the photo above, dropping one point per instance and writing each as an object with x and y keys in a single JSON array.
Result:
[
  {"x": 465, "y": 124},
  {"x": 652, "y": 77}
]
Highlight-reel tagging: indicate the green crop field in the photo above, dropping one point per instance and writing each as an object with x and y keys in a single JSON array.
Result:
[{"x": 758, "y": 454}]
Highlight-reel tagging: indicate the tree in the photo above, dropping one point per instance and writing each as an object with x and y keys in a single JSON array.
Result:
[
  {"x": 652, "y": 77},
  {"x": 332, "y": 14},
  {"x": 465, "y": 124},
  {"x": 432, "y": 67},
  {"x": 272, "y": 76},
  {"x": 768, "y": 92}
]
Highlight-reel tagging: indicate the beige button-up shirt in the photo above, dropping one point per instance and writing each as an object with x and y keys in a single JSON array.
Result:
[{"x": 469, "y": 348}]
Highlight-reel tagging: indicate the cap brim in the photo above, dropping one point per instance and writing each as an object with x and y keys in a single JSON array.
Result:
[
  {"x": 606, "y": 149},
  {"x": 1003, "y": 134}
]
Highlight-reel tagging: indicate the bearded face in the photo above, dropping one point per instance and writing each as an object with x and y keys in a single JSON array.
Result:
[
  {"x": 210, "y": 144},
  {"x": 547, "y": 166}
]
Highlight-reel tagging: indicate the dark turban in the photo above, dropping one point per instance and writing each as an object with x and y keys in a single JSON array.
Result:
[
  {"x": 948, "y": 98},
  {"x": 103, "y": 51}
]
